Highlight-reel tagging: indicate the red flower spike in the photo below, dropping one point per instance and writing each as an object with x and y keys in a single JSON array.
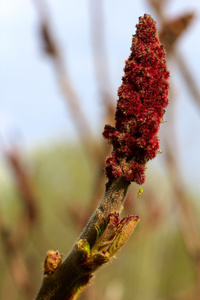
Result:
[{"x": 143, "y": 97}]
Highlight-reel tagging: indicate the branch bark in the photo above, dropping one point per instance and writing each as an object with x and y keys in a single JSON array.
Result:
[{"x": 71, "y": 273}]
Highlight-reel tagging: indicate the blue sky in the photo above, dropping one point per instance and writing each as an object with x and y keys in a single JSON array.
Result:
[{"x": 31, "y": 105}]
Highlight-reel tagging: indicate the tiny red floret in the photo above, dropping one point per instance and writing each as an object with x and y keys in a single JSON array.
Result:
[{"x": 143, "y": 97}]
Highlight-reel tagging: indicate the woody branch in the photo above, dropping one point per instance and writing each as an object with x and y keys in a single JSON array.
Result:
[{"x": 143, "y": 97}]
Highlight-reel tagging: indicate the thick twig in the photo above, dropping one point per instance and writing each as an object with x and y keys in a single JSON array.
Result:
[{"x": 60, "y": 285}]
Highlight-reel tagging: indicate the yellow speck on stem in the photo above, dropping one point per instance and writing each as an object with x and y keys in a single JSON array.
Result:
[{"x": 139, "y": 193}]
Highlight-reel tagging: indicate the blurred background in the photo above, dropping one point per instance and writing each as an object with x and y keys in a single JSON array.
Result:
[{"x": 61, "y": 63}]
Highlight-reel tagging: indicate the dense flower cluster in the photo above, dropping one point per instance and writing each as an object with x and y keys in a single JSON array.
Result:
[{"x": 143, "y": 97}]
